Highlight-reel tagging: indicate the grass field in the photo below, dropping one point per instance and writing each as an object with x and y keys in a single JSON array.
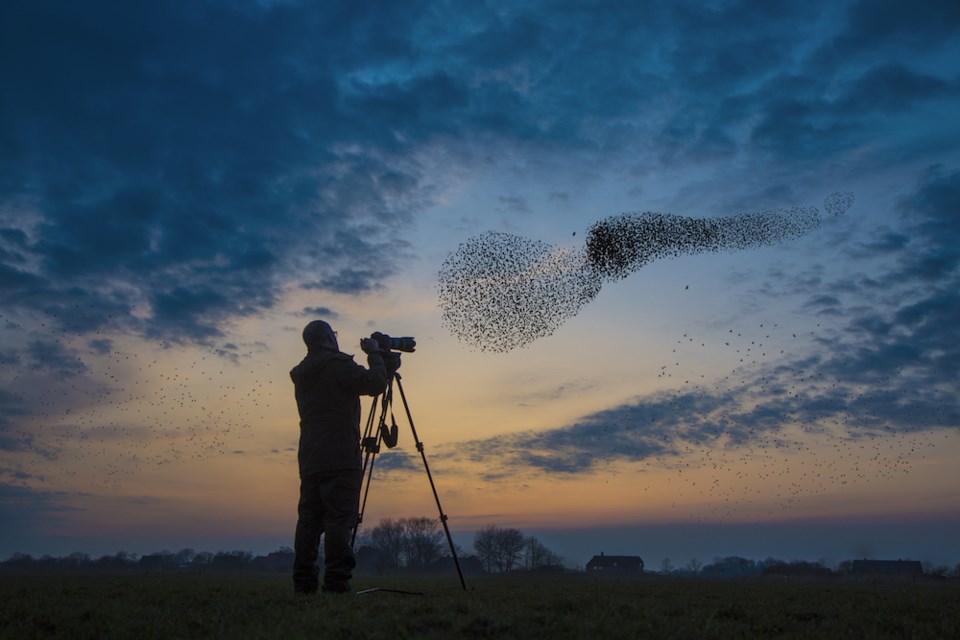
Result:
[{"x": 263, "y": 606}]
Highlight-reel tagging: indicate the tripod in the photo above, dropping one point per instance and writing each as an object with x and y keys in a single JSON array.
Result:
[{"x": 388, "y": 436}]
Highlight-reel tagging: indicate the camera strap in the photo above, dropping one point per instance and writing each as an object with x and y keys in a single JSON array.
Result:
[{"x": 390, "y": 435}]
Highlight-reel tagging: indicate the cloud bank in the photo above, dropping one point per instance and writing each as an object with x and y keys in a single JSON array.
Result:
[{"x": 177, "y": 169}]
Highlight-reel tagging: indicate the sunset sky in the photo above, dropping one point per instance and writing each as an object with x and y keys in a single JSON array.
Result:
[{"x": 184, "y": 185}]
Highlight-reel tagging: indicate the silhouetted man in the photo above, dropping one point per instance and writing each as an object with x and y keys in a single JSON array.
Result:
[{"x": 328, "y": 385}]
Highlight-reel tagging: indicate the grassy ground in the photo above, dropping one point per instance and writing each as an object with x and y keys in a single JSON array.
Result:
[{"x": 261, "y": 606}]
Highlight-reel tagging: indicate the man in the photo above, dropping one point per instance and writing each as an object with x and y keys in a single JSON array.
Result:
[{"x": 328, "y": 385}]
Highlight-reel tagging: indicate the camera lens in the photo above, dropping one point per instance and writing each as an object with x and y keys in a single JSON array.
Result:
[{"x": 403, "y": 344}]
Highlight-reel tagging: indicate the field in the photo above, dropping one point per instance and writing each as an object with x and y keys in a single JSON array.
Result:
[{"x": 263, "y": 606}]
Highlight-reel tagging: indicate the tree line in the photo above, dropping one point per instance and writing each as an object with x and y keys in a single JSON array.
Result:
[
  {"x": 736, "y": 566},
  {"x": 185, "y": 559},
  {"x": 416, "y": 544},
  {"x": 405, "y": 544},
  {"x": 419, "y": 543}
]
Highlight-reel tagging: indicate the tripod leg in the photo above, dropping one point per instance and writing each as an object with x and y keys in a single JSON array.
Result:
[
  {"x": 433, "y": 486},
  {"x": 371, "y": 447}
]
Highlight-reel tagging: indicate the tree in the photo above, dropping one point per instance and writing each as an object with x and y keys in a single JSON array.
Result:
[
  {"x": 120, "y": 559},
  {"x": 939, "y": 571},
  {"x": 666, "y": 566},
  {"x": 231, "y": 560},
  {"x": 536, "y": 555},
  {"x": 184, "y": 556},
  {"x": 499, "y": 549},
  {"x": 126, "y": 557},
  {"x": 694, "y": 565},
  {"x": 734, "y": 566},
  {"x": 388, "y": 538},
  {"x": 422, "y": 542},
  {"x": 484, "y": 543},
  {"x": 20, "y": 560},
  {"x": 414, "y": 543},
  {"x": 796, "y": 568},
  {"x": 510, "y": 542}
]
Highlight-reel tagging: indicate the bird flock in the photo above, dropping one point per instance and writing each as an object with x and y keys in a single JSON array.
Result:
[{"x": 500, "y": 291}]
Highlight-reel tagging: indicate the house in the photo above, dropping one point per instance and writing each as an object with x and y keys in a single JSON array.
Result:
[
  {"x": 624, "y": 564},
  {"x": 886, "y": 568}
]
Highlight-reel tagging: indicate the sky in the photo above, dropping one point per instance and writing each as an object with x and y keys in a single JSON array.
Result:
[{"x": 183, "y": 186}]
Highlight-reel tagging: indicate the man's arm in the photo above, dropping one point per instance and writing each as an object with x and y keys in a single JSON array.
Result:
[{"x": 368, "y": 382}]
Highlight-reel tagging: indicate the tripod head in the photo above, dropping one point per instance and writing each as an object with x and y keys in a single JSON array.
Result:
[
  {"x": 387, "y": 435},
  {"x": 391, "y": 360}
]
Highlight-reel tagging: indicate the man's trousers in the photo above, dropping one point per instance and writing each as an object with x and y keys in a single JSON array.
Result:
[{"x": 329, "y": 503}]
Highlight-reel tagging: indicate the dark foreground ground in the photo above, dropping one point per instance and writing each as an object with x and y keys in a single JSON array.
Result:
[{"x": 263, "y": 606}]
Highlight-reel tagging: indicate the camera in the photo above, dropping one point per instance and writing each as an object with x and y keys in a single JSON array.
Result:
[{"x": 387, "y": 343}]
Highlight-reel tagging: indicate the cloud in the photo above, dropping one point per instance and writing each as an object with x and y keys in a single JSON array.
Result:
[
  {"x": 514, "y": 204},
  {"x": 899, "y": 28},
  {"x": 101, "y": 346},
  {"x": 51, "y": 357},
  {"x": 890, "y": 89},
  {"x": 559, "y": 391},
  {"x": 397, "y": 461},
  {"x": 755, "y": 412},
  {"x": 348, "y": 281},
  {"x": 920, "y": 302},
  {"x": 176, "y": 170},
  {"x": 177, "y": 166},
  {"x": 884, "y": 242},
  {"x": 323, "y": 312},
  {"x": 11, "y": 408}
]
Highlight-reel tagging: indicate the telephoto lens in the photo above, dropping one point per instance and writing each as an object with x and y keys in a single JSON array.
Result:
[
  {"x": 387, "y": 343},
  {"x": 403, "y": 344}
]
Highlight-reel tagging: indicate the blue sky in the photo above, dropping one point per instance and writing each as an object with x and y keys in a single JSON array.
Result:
[{"x": 184, "y": 185}]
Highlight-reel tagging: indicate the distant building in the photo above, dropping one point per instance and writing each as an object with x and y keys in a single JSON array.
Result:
[
  {"x": 886, "y": 568},
  {"x": 625, "y": 564}
]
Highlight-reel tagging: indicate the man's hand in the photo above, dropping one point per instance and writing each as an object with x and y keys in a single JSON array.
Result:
[{"x": 369, "y": 345}]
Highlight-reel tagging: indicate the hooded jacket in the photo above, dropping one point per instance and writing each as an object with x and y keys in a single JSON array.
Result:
[{"x": 328, "y": 385}]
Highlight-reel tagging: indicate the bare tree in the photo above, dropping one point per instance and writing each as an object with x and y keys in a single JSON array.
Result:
[
  {"x": 694, "y": 566},
  {"x": 184, "y": 556},
  {"x": 484, "y": 543},
  {"x": 666, "y": 566},
  {"x": 536, "y": 555},
  {"x": 511, "y": 546},
  {"x": 499, "y": 548},
  {"x": 422, "y": 542},
  {"x": 388, "y": 538}
]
